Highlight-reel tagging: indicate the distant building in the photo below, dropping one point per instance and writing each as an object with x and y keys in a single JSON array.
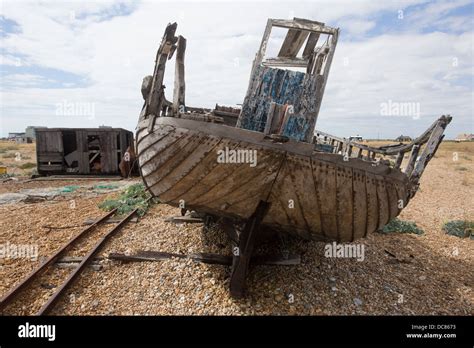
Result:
[
  {"x": 465, "y": 137},
  {"x": 19, "y": 138},
  {"x": 355, "y": 138},
  {"x": 403, "y": 138},
  {"x": 14, "y": 135}
]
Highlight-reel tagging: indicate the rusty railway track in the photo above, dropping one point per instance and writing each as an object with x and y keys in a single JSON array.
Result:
[{"x": 49, "y": 305}]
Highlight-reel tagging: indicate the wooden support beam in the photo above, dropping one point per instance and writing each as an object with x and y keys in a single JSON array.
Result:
[
  {"x": 303, "y": 25},
  {"x": 310, "y": 45},
  {"x": 286, "y": 62},
  {"x": 156, "y": 96},
  {"x": 430, "y": 149},
  {"x": 182, "y": 219},
  {"x": 293, "y": 42},
  {"x": 411, "y": 162},
  {"x": 349, "y": 150},
  {"x": 179, "y": 82},
  {"x": 399, "y": 160},
  {"x": 209, "y": 258},
  {"x": 244, "y": 251}
]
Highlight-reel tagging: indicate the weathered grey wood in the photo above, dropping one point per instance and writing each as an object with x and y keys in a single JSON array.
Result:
[
  {"x": 156, "y": 95},
  {"x": 209, "y": 258},
  {"x": 286, "y": 62},
  {"x": 360, "y": 204},
  {"x": 243, "y": 254},
  {"x": 270, "y": 115},
  {"x": 399, "y": 159},
  {"x": 293, "y": 42},
  {"x": 183, "y": 219},
  {"x": 430, "y": 149},
  {"x": 311, "y": 44},
  {"x": 179, "y": 83},
  {"x": 345, "y": 201},
  {"x": 303, "y": 25},
  {"x": 384, "y": 205},
  {"x": 412, "y": 160}
]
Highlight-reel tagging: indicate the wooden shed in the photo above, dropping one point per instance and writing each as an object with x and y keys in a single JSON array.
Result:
[{"x": 81, "y": 150}]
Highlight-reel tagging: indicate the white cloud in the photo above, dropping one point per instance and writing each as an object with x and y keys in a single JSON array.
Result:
[{"x": 356, "y": 27}]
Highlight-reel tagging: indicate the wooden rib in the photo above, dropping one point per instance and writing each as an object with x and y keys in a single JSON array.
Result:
[
  {"x": 392, "y": 199},
  {"x": 382, "y": 197},
  {"x": 402, "y": 195},
  {"x": 317, "y": 200},
  {"x": 325, "y": 179},
  {"x": 372, "y": 203},
  {"x": 344, "y": 203},
  {"x": 360, "y": 204}
]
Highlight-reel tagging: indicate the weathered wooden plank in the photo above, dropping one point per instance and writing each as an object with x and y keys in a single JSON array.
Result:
[
  {"x": 303, "y": 25},
  {"x": 163, "y": 162},
  {"x": 399, "y": 160},
  {"x": 392, "y": 199},
  {"x": 186, "y": 185},
  {"x": 243, "y": 254},
  {"x": 412, "y": 160},
  {"x": 173, "y": 177},
  {"x": 360, "y": 204},
  {"x": 286, "y": 62},
  {"x": 293, "y": 42},
  {"x": 270, "y": 115},
  {"x": 344, "y": 203},
  {"x": 156, "y": 96},
  {"x": 179, "y": 82},
  {"x": 209, "y": 258},
  {"x": 382, "y": 196},
  {"x": 184, "y": 219},
  {"x": 430, "y": 149},
  {"x": 310, "y": 45},
  {"x": 372, "y": 203},
  {"x": 293, "y": 200},
  {"x": 325, "y": 180}
]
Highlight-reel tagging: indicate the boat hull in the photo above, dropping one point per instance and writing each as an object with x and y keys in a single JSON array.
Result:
[{"x": 312, "y": 194}]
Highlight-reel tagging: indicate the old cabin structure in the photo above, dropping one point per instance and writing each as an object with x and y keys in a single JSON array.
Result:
[{"x": 81, "y": 150}]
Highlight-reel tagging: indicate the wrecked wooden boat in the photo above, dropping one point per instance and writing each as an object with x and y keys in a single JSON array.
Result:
[{"x": 272, "y": 169}]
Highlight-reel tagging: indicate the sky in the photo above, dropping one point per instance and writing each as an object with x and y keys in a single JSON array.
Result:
[{"x": 398, "y": 65}]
